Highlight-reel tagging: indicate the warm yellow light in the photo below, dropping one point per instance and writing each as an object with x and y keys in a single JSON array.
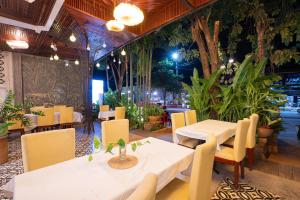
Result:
[
  {"x": 128, "y": 14},
  {"x": 56, "y": 57},
  {"x": 17, "y": 44},
  {"x": 114, "y": 25},
  {"x": 123, "y": 52},
  {"x": 76, "y": 62},
  {"x": 72, "y": 38}
]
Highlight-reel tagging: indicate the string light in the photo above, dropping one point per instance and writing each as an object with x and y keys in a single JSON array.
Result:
[
  {"x": 98, "y": 65},
  {"x": 51, "y": 58},
  {"x": 120, "y": 61},
  {"x": 123, "y": 52},
  {"x": 114, "y": 60},
  {"x": 104, "y": 45},
  {"x": 72, "y": 38},
  {"x": 88, "y": 47},
  {"x": 76, "y": 62},
  {"x": 56, "y": 57}
]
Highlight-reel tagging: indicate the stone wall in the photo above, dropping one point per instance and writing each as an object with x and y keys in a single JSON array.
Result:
[{"x": 51, "y": 82}]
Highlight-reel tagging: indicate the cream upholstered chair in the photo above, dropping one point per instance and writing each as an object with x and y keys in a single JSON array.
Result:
[
  {"x": 17, "y": 126},
  {"x": 46, "y": 121},
  {"x": 146, "y": 190},
  {"x": 177, "y": 120},
  {"x": 114, "y": 130},
  {"x": 234, "y": 156},
  {"x": 250, "y": 141},
  {"x": 104, "y": 108},
  {"x": 120, "y": 112},
  {"x": 47, "y": 148},
  {"x": 66, "y": 117},
  {"x": 58, "y": 108},
  {"x": 190, "y": 117},
  {"x": 201, "y": 177}
]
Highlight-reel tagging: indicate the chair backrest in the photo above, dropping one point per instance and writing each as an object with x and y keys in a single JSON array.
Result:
[
  {"x": 251, "y": 135},
  {"x": 48, "y": 118},
  {"x": 190, "y": 117},
  {"x": 58, "y": 108},
  {"x": 120, "y": 112},
  {"x": 114, "y": 130},
  {"x": 67, "y": 115},
  {"x": 47, "y": 148},
  {"x": 146, "y": 190},
  {"x": 239, "y": 147},
  {"x": 201, "y": 176},
  {"x": 104, "y": 108},
  {"x": 177, "y": 120}
]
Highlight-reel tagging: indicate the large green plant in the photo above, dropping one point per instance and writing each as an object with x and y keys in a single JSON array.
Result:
[
  {"x": 133, "y": 112},
  {"x": 10, "y": 112},
  {"x": 111, "y": 98},
  {"x": 201, "y": 97},
  {"x": 251, "y": 92}
]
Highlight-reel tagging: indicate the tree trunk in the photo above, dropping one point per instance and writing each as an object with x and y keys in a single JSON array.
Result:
[{"x": 260, "y": 29}]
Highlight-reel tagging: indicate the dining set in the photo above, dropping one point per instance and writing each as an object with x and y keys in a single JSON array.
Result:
[
  {"x": 105, "y": 113},
  {"x": 53, "y": 172}
]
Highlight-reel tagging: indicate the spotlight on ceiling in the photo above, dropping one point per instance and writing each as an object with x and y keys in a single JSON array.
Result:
[
  {"x": 17, "y": 44},
  {"x": 72, "y": 38}
]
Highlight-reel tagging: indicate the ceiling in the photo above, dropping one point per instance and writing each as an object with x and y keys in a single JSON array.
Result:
[{"x": 86, "y": 19}]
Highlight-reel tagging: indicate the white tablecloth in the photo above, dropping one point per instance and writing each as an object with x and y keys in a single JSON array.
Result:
[
  {"x": 77, "y": 117},
  {"x": 203, "y": 130},
  {"x": 106, "y": 114},
  {"x": 80, "y": 179}
]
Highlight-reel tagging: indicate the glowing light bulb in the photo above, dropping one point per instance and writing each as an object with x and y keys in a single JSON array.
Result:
[
  {"x": 120, "y": 62},
  {"x": 51, "y": 58},
  {"x": 88, "y": 47},
  {"x": 231, "y": 60},
  {"x": 76, "y": 62},
  {"x": 56, "y": 57},
  {"x": 123, "y": 52},
  {"x": 114, "y": 60},
  {"x": 104, "y": 45},
  {"x": 72, "y": 38},
  {"x": 98, "y": 65}
]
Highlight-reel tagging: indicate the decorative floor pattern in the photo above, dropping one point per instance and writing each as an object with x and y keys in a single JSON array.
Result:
[{"x": 226, "y": 191}]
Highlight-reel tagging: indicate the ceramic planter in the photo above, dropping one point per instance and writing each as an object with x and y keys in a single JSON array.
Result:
[{"x": 265, "y": 131}]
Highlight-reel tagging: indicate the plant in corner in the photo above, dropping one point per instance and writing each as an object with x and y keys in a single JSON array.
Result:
[{"x": 9, "y": 113}]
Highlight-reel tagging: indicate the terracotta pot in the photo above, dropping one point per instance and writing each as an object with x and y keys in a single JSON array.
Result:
[
  {"x": 154, "y": 119},
  {"x": 3, "y": 149},
  {"x": 147, "y": 126},
  {"x": 265, "y": 131}
]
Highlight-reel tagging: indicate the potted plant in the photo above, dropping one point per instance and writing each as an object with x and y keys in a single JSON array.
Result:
[
  {"x": 10, "y": 112},
  {"x": 153, "y": 113}
]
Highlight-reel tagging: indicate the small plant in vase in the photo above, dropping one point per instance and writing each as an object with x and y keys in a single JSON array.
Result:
[{"x": 122, "y": 147}]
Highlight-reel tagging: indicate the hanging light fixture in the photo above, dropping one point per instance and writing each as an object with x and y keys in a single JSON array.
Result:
[
  {"x": 72, "y": 38},
  {"x": 107, "y": 67},
  {"x": 66, "y": 63},
  {"x": 123, "y": 52},
  {"x": 56, "y": 57},
  {"x": 51, "y": 58},
  {"x": 76, "y": 62},
  {"x": 114, "y": 25},
  {"x": 88, "y": 47},
  {"x": 104, "y": 45},
  {"x": 128, "y": 14},
  {"x": 114, "y": 60},
  {"x": 17, "y": 44},
  {"x": 120, "y": 61}
]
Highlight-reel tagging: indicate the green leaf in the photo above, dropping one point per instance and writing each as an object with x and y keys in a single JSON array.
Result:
[
  {"x": 109, "y": 148},
  {"x": 121, "y": 143},
  {"x": 97, "y": 143},
  {"x": 90, "y": 157},
  {"x": 134, "y": 146}
]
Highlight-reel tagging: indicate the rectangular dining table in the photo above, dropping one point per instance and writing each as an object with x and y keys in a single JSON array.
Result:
[
  {"x": 106, "y": 114},
  {"x": 80, "y": 179},
  {"x": 204, "y": 129}
]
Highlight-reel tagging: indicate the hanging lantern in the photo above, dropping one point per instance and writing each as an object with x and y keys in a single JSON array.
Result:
[
  {"x": 128, "y": 14},
  {"x": 114, "y": 25}
]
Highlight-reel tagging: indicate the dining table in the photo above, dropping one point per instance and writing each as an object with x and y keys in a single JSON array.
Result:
[
  {"x": 77, "y": 118},
  {"x": 80, "y": 178},
  {"x": 222, "y": 130},
  {"x": 106, "y": 114}
]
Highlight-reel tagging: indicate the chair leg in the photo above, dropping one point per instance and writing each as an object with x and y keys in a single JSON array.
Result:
[
  {"x": 236, "y": 174},
  {"x": 250, "y": 155},
  {"x": 242, "y": 169}
]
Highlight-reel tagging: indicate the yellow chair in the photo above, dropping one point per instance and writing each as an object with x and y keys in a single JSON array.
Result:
[
  {"x": 58, "y": 108},
  {"x": 234, "y": 156},
  {"x": 201, "y": 177},
  {"x": 47, "y": 148},
  {"x": 46, "y": 121},
  {"x": 146, "y": 190},
  {"x": 120, "y": 112},
  {"x": 190, "y": 117},
  {"x": 66, "y": 117},
  {"x": 250, "y": 141},
  {"x": 17, "y": 126},
  {"x": 114, "y": 130},
  {"x": 177, "y": 120},
  {"x": 104, "y": 108}
]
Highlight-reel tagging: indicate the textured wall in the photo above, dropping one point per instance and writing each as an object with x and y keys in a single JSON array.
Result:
[{"x": 46, "y": 81}]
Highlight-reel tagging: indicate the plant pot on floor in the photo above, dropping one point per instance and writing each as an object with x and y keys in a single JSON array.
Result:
[
  {"x": 264, "y": 132},
  {"x": 154, "y": 119},
  {"x": 3, "y": 146}
]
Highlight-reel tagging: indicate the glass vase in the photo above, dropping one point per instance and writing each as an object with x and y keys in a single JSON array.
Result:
[{"x": 122, "y": 153}]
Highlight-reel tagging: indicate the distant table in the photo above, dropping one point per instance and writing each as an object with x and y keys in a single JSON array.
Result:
[
  {"x": 79, "y": 179},
  {"x": 106, "y": 114},
  {"x": 77, "y": 117},
  {"x": 204, "y": 129}
]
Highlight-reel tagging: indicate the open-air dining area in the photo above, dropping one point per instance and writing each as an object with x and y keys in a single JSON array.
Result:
[{"x": 149, "y": 99}]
